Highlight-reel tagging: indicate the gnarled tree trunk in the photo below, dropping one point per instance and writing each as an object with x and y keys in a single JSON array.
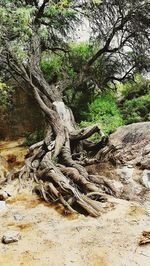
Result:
[{"x": 57, "y": 164}]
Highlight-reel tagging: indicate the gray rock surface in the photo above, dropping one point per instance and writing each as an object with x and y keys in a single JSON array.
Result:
[
  {"x": 146, "y": 178},
  {"x": 11, "y": 237},
  {"x": 128, "y": 162},
  {"x": 132, "y": 145},
  {"x": 18, "y": 217},
  {"x": 126, "y": 173}
]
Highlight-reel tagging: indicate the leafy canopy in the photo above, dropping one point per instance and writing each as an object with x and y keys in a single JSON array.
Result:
[{"x": 119, "y": 38}]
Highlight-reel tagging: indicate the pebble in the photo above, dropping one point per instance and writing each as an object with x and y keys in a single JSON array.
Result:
[
  {"x": 3, "y": 195},
  {"x": 18, "y": 217},
  {"x": 11, "y": 237}
]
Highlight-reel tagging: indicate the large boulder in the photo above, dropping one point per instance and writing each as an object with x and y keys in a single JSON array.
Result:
[
  {"x": 131, "y": 157},
  {"x": 132, "y": 145},
  {"x": 128, "y": 162}
]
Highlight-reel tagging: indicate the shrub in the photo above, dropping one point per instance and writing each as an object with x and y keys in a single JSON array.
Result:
[
  {"x": 5, "y": 95},
  {"x": 33, "y": 137},
  {"x": 134, "y": 89},
  {"x": 104, "y": 111},
  {"x": 51, "y": 67},
  {"x": 137, "y": 110},
  {"x": 135, "y": 104},
  {"x": 79, "y": 54}
]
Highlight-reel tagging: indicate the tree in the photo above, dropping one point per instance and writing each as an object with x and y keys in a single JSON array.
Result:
[{"x": 29, "y": 30}]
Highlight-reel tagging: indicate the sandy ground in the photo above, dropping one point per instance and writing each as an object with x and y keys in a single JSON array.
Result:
[
  {"x": 13, "y": 152},
  {"x": 48, "y": 238}
]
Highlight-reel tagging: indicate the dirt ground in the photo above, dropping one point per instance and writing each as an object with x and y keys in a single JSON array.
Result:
[{"x": 48, "y": 238}]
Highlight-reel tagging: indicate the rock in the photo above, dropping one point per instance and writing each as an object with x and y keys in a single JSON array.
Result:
[
  {"x": 3, "y": 169},
  {"x": 145, "y": 160},
  {"x": 132, "y": 145},
  {"x": 18, "y": 217},
  {"x": 117, "y": 187},
  {"x": 3, "y": 195},
  {"x": 129, "y": 161},
  {"x": 126, "y": 173},
  {"x": 11, "y": 237},
  {"x": 146, "y": 178}
]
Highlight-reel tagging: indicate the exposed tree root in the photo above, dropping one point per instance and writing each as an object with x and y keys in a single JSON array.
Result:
[
  {"x": 64, "y": 179},
  {"x": 56, "y": 165}
]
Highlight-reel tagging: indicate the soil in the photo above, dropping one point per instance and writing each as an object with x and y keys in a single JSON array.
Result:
[
  {"x": 13, "y": 152},
  {"x": 51, "y": 238}
]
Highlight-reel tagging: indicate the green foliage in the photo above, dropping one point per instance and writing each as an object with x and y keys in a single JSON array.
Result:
[
  {"x": 135, "y": 88},
  {"x": 80, "y": 52},
  {"x": 62, "y": 7},
  {"x": 51, "y": 67},
  {"x": 137, "y": 109},
  {"x": 15, "y": 25},
  {"x": 5, "y": 94},
  {"x": 33, "y": 137},
  {"x": 104, "y": 111},
  {"x": 17, "y": 22},
  {"x": 110, "y": 113},
  {"x": 19, "y": 19},
  {"x": 135, "y": 105},
  {"x": 53, "y": 64},
  {"x": 78, "y": 99}
]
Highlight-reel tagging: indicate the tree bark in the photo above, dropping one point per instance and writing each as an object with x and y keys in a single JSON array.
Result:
[{"x": 57, "y": 164}]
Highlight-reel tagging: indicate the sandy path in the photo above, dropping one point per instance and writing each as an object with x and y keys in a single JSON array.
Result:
[{"x": 50, "y": 239}]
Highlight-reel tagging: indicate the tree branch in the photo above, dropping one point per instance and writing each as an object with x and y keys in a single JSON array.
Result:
[
  {"x": 106, "y": 49},
  {"x": 41, "y": 11},
  {"x": 122, "y": 78}
]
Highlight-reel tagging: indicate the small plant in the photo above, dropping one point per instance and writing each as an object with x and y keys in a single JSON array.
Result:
[
  {"x": 33, "y": 137},
  {"x": 104, "y": 111},
  {"x": 135, "y": 104},
  {"x": 51, "y": 67},
  {"x": 134, "y": 89},
  {"x": 137, "y": 110},
  {"x": 5, "y": 94}
]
